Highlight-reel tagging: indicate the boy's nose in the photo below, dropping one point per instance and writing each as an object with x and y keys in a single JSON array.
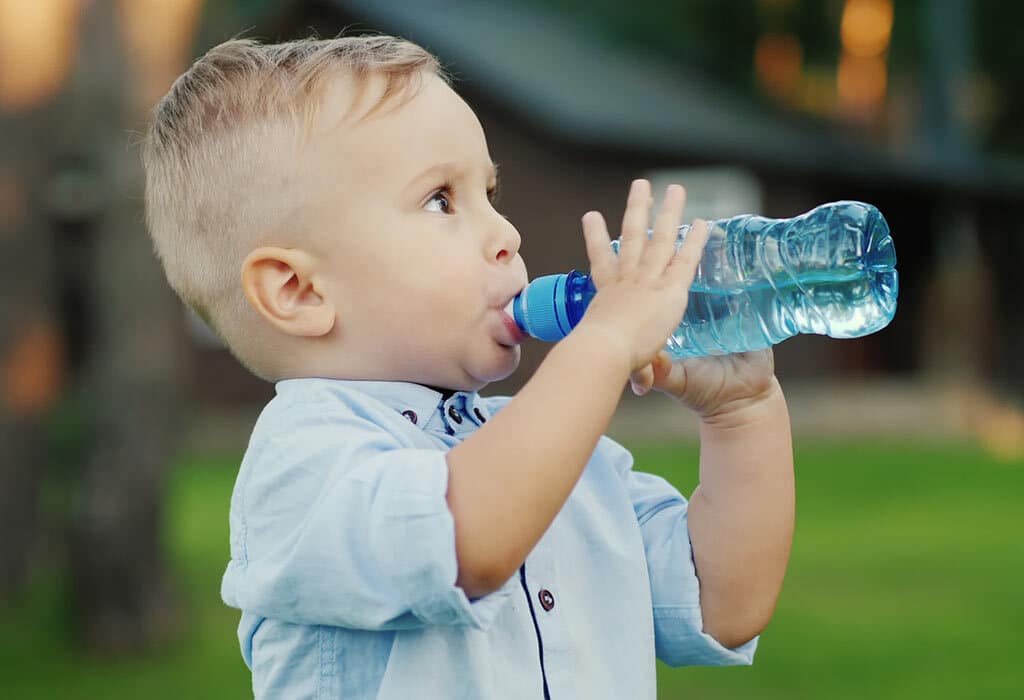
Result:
[{"x": 505, "y": 243}]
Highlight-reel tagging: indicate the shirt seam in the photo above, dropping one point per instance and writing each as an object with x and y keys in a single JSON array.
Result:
[{"x": 647, "y": 515}]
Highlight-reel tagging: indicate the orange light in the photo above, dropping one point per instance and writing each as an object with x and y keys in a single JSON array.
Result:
[
  {"x": 158, "y": 39},
  {"x": 866, "y": 27},
  {"x": 37, "y": 47},
  {"x": 861, "y": 81},
  {"x": 778, "y": 61},
  {"x": 32, "y": 372}
]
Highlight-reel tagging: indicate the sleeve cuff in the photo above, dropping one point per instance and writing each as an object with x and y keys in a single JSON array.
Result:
[
  {"x": 413, "y": 535},
  {"x": 682, "y": 642}
]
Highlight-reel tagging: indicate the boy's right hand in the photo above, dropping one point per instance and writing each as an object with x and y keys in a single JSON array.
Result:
[{"x": 641, "y": 292}]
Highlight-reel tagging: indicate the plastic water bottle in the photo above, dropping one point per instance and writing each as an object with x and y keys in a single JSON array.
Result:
[{"x": 831, "y": 271}]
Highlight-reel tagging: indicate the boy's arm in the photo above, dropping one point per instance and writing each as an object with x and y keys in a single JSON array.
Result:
[
  {"x": 741, "y": 515},
  {"x": 508, "y": 481}
]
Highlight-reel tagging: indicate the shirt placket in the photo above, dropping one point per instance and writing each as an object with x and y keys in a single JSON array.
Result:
[
  {"x": 456, "y": 417},
  {"x": 549, "y": 610}
]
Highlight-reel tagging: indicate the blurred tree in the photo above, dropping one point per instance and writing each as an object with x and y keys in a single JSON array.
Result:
[
  {"x": 131, "y": 370},
  {"x": 27, "y": 330},
  {"x": 31, "y": 356}
]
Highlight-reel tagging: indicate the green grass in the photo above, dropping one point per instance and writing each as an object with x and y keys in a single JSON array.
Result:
[{"x": 905, "y": 582}]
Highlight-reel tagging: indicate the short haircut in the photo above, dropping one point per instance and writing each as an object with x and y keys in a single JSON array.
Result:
[{"x": 216, "y": 182}]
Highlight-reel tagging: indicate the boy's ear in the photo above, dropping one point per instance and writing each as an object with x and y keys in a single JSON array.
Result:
[{"x": 285, "y": 287}]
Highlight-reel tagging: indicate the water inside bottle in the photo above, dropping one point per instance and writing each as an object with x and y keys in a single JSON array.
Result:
[{"x": 808, "y": 275}]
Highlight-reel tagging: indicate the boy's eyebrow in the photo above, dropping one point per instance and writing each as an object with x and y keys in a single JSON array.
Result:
[{"x": 450, "y": 170}]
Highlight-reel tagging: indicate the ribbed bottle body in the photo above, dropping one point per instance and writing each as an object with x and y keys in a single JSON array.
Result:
[{"x": 831, "y": 271}]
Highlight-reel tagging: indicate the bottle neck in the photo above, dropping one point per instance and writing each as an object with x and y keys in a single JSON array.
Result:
[{"x": 579, "y": 291}]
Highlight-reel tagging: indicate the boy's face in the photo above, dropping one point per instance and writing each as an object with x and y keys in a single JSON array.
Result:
[{"x": 419, "y": 264}]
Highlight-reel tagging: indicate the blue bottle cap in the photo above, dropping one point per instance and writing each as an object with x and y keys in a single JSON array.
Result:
[{"x": 540, "y": 309}]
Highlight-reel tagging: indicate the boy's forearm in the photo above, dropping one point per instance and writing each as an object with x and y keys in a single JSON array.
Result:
[
  {"x": 741, "y": 517},
  {"x": 508, "y": 481}
]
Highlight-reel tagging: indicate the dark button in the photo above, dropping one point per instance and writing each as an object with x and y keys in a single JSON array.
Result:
[
  {"x": 411, "y": 415},
  {"x": 453, "y": 413},
  {"x": 479, "y": 415},
  {"x": 547, "y": 601}
]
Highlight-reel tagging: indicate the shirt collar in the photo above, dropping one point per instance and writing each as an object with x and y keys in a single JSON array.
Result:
[{"x": 428, "y": 406}]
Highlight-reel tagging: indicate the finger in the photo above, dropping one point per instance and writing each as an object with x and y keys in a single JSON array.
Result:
[
  {"x": 669, "y": 377},
  {"x": 661, "y": 366},
  {"x": 634, "y": 225},
  {"x": 642, "y": 380},
  {"x": 666, "y": 227},
  {"x": 683, "y": 267},
  {"x": 599, "y": 251}
]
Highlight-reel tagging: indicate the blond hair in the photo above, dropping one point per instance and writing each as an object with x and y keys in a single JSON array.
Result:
[{"x": 216, "y": 185}]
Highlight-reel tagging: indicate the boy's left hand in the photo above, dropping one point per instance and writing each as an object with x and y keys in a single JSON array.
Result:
[{"x": 710, "y": 385}]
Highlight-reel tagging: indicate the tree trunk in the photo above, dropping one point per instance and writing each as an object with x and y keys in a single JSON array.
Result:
[
  {"x": 133, "y": 376},
  {"x": 30, "y": 358}
]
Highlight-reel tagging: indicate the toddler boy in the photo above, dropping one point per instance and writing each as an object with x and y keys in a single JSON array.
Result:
[{"x": 327, "y": 207}]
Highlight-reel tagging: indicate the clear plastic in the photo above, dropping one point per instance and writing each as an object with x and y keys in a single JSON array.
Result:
[{"x": 831, "y": 271}]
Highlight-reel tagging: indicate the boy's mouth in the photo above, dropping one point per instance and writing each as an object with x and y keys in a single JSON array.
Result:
[{"x": 515, "y": 335}]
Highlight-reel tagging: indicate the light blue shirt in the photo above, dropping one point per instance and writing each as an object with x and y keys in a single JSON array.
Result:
[{"x": 343, "y": 562}]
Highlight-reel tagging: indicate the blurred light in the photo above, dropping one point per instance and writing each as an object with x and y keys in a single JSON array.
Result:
[
  {"x": 861, "y": 81},
  {"x": 38, "y": 39},
  {"x": 998, "y": 425},
  {"x": 778, "y": 61},
  {"x": 32, "y": 372},
  {"x": 158, "y": 39},
  {"x": 866, "y": 27},
  {"x": 1002, "y": 435},
  {"x": 865, "y": 30}
]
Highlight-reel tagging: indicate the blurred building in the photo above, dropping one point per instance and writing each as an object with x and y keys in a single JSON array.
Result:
[{"x": 571, "y": 118}]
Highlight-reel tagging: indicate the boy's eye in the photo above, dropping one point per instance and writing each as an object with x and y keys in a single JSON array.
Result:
[{"x": 442, "y": 197}]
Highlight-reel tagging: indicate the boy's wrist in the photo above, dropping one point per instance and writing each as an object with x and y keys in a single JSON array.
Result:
[
  {"x": 595, "y": 338},
  {"x": 747, "y": 410}
]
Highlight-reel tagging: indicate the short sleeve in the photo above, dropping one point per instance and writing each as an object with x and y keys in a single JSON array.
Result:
[
  {"x": 335, "y": 522},
  {"x": 661, "y": 512}
]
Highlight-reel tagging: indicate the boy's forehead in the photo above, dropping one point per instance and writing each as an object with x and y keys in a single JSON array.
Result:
[{"x": 413, "y": 131}]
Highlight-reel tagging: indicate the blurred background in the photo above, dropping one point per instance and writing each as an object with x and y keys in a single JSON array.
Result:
[{"x": 122, "y": 419}]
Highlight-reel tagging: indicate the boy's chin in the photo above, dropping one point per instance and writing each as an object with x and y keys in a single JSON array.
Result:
[{"x": 500, "y": 367}]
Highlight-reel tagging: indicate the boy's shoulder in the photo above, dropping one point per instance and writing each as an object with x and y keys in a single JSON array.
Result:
[{"x": 301, "y": 406}]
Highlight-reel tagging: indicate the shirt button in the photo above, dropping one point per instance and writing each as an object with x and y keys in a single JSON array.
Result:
[
  {"x": 479, "y": 415},
  {"x": 453, "y": 413},
  {"x": 547, "y": 600},
  {"x": 411, "y": 415}
]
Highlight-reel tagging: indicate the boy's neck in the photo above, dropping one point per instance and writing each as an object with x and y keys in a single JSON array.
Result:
[{"x": 445, "y": 393}]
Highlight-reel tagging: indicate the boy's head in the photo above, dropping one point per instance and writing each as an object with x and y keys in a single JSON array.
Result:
[{"x": 326, "y": 206}]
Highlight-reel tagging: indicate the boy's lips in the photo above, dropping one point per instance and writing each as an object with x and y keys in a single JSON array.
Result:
[{"x": 515, "y": 335}]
